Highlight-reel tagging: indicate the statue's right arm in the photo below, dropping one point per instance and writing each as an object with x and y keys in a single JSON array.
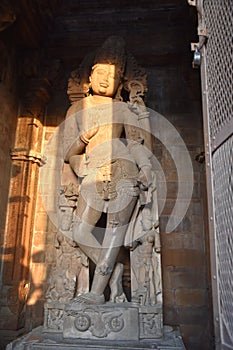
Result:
[
  {"x": 75, "y": 137},
  {"x": 73, "y": 145},
  {"x": 76, "y": 148}
]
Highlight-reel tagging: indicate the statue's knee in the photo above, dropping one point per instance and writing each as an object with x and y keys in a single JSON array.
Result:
[
  {"x": 114, "y": 222},
  {"x": 104, "y": 268}
]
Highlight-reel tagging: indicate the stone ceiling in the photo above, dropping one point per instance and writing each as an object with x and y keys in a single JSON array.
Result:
[{"x": 156, "y": 31}]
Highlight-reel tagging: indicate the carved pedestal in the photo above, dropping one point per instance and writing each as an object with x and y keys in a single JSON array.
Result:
[
  {"x": 109, "y": 321},
  {"x": 106, "y": 321},
  {"x": 108, "y": 326}
]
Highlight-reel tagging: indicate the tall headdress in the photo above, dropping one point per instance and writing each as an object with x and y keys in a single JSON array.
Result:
[{"x": 112, "y": 52}]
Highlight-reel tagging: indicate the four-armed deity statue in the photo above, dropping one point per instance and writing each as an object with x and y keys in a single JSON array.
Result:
[{"x": 107, "y": 204}]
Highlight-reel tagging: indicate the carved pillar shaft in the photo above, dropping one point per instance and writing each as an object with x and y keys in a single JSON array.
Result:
[{"x": 26, "y": 156}]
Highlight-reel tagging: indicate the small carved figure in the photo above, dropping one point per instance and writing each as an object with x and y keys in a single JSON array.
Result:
[{"x": 60, "y": 289}]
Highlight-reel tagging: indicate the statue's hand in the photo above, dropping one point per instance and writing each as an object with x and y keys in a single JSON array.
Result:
[
  {"x": 137, "y": 105},
  {"x": 86, "y": 135},
  {"x": 136, "y": 94},
  {"x": 145, "y": 177}
]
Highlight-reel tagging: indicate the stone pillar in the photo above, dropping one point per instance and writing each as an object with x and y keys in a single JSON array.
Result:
[{"x": 26, "y": 159}]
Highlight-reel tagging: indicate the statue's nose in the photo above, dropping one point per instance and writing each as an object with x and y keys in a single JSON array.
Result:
[{"x": 105, "y": 77}]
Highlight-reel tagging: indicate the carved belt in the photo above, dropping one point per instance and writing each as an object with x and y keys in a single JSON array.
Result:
[{"x": 110, "y": 177}]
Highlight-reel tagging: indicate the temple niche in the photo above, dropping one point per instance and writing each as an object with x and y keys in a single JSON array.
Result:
[{"x": 103, "y": 202}]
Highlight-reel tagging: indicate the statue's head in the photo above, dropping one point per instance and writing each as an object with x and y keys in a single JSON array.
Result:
[
  {"x": 109, "y": 66},
  {"x": 111, "y": 60},
  {"x": 105, "y": 79}
]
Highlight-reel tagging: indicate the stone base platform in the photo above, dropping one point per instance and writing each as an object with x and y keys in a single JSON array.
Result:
[
  {"x": 112, "y": 321},
  {"x": 109, "y": 321},
  {"x": 37, "y": 339}
]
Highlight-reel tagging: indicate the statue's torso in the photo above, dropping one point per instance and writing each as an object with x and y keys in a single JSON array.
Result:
[{"x": 107, "y": 150}]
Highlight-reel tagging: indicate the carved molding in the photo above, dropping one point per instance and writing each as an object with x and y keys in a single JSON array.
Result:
[
  {"x": 101, "y": 322},
  {"x": 28, "y": 156}
]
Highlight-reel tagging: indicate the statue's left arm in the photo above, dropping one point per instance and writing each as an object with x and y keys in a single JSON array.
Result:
[{"x": 137, "y": 149}]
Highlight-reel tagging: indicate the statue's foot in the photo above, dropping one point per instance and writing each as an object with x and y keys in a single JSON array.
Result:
[
  {"x": 121, "y": 298},
  {"x": 115, "y": 283},
  {"x": 89, "y": 298}
]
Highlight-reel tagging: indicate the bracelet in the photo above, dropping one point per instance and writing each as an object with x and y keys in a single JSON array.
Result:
[
  {"x": 143, "y": 115},
  {"x": 84, "y": 139}
]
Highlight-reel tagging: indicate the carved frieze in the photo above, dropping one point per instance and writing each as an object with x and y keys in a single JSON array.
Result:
[
  {"x": 69, "y": 278},
  {"x": 151, "y": 322},
  {"x": 102, "y": 321}
]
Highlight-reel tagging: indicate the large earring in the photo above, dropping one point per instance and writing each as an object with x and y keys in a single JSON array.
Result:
[
  {"x": 118, "y": 93},
  {"x": 90, "y": 88}
]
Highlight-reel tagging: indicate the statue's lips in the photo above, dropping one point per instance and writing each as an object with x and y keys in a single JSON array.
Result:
[{"x": 104, "y": 85}]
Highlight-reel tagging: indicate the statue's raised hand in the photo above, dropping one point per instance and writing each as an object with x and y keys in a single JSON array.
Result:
[{"x": 136, "y": 92}]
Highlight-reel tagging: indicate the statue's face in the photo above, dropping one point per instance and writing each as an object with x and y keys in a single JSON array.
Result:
[{"x": 105, "y": 79}]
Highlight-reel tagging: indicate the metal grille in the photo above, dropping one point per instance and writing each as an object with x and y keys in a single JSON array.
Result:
[
  {"x": 219, "y": 21},
  {"x": 223, "y": 193}
]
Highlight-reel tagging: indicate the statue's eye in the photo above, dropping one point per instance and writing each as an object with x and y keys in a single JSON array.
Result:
[
  {"x": 100, "y": 72},
  {"x": 112, "y": 76}
]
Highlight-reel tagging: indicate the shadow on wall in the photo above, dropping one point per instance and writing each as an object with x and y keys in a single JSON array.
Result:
[{"x": 20, "y": 296}]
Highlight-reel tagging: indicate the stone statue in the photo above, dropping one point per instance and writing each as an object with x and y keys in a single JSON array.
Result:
[
  {"x": 108, "y": 176},
  {"x": 99, "y": 157}
]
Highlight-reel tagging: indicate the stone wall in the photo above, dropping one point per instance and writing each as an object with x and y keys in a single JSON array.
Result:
[{"x": 186, "y": 286}]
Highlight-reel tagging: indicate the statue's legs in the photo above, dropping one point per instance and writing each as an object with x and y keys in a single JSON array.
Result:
[
  {"x": 84, "y": 224},
  {"x": 104, "y": 256},
  {"x": 117, "y": 223}
]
